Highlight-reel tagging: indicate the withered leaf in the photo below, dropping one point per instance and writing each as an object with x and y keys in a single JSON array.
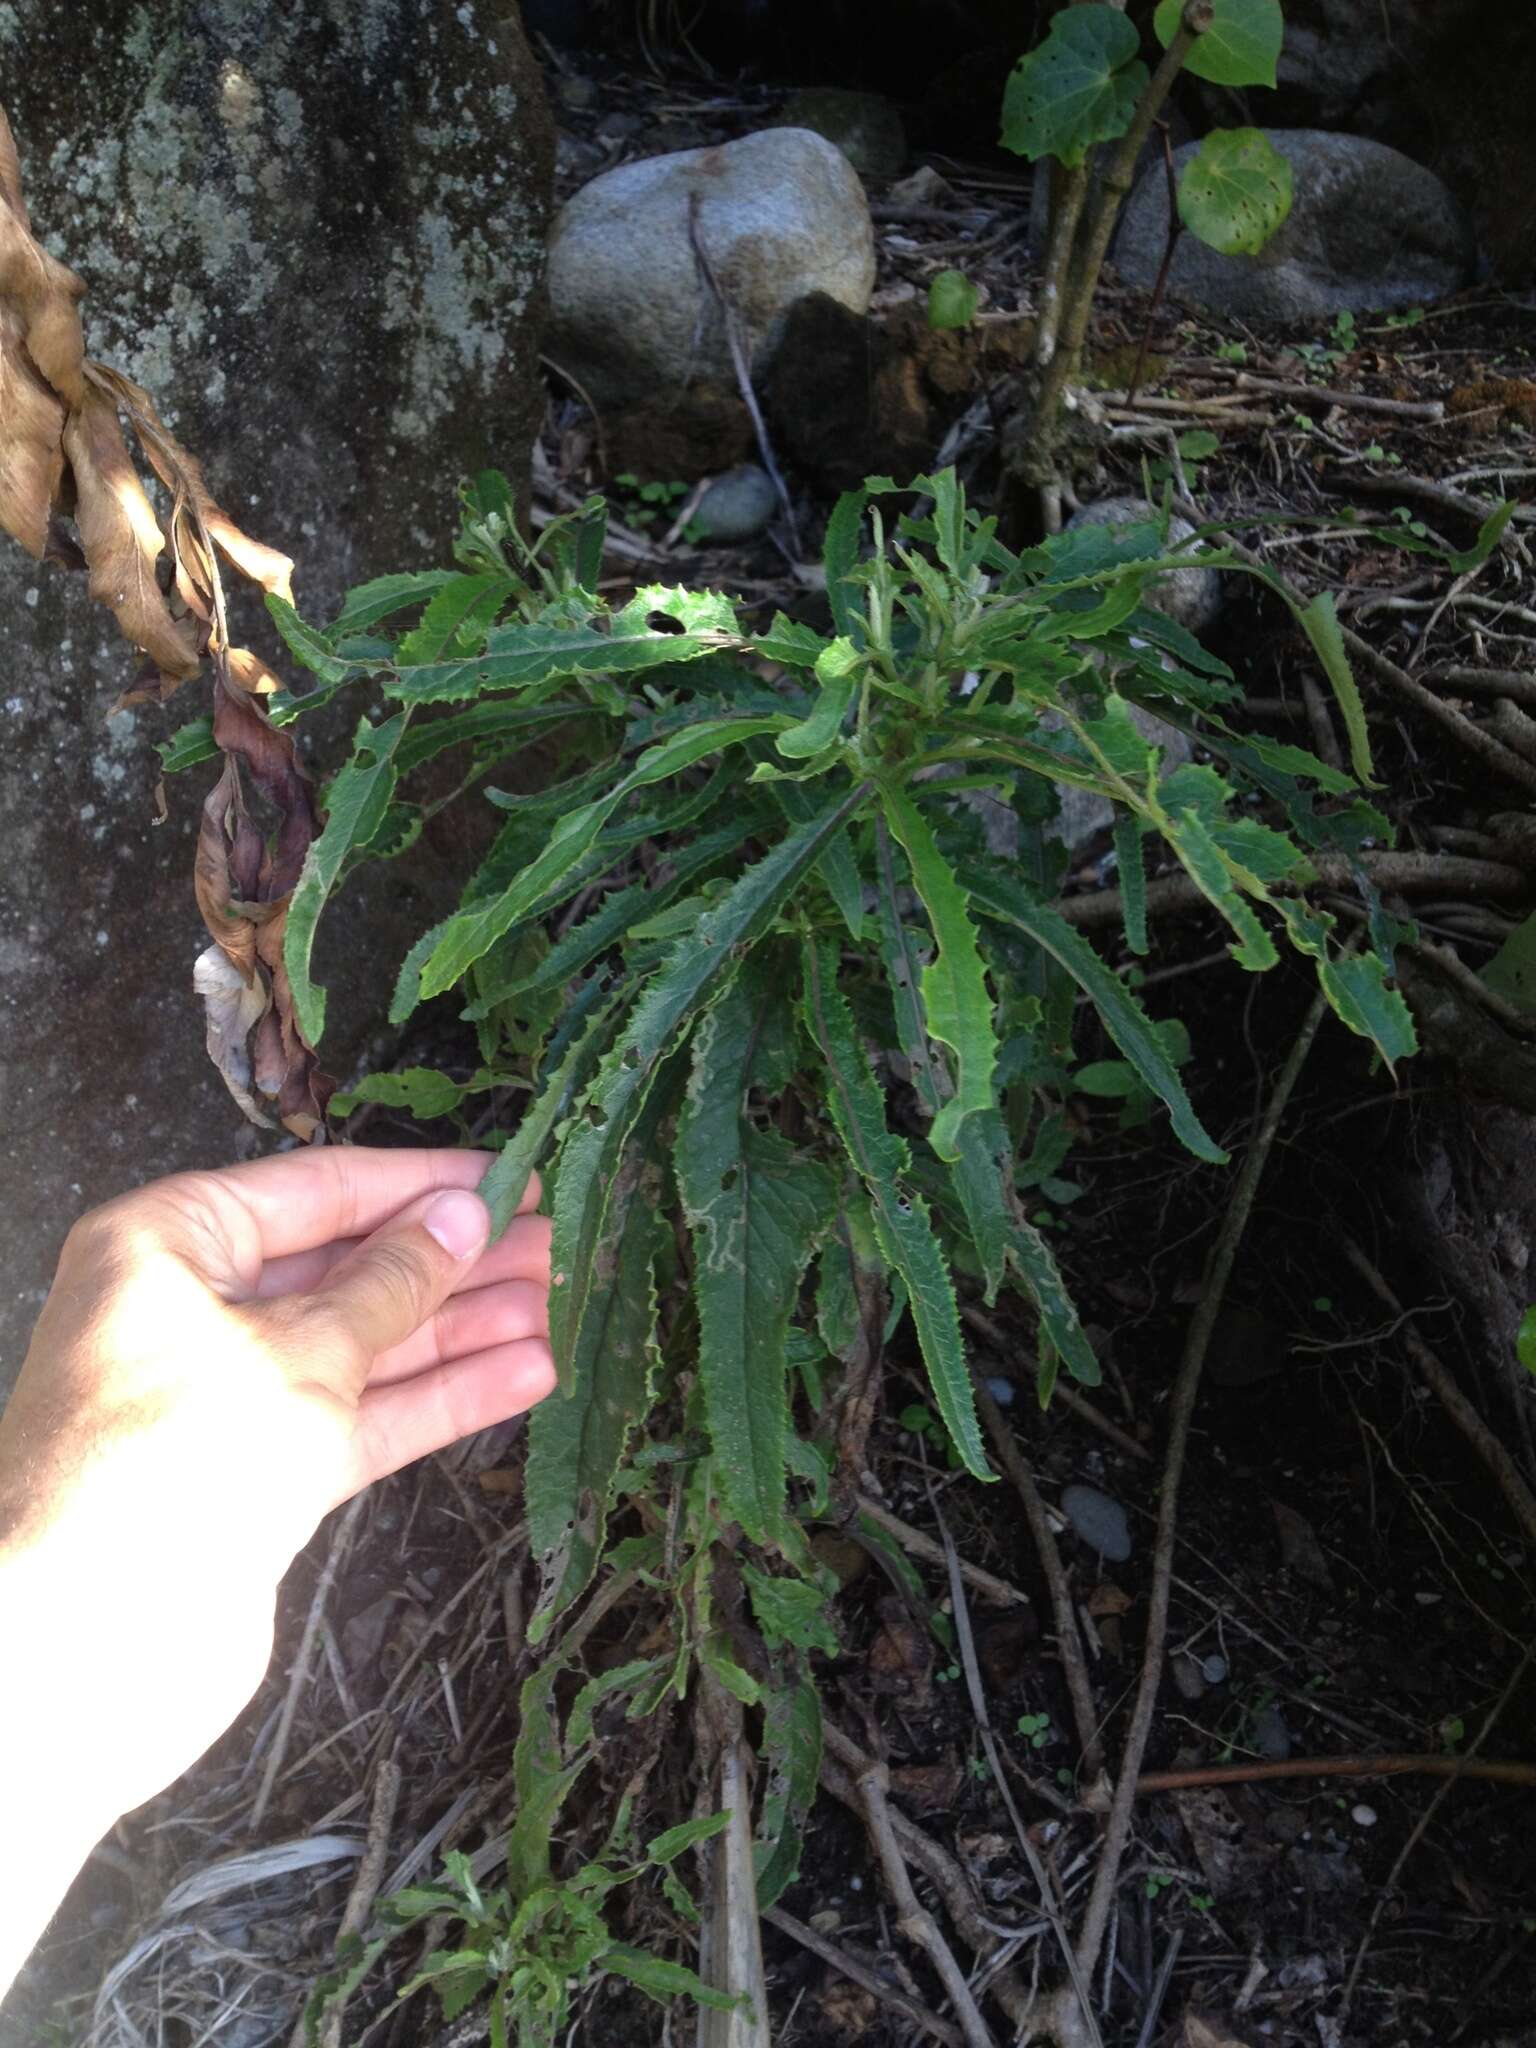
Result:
[
  {"x": 121, "y": 536},
  {"x": 63, "y": 458}
]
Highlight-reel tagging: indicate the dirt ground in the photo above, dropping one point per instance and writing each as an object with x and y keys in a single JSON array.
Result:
[{"x": 1349, "y": 1639}]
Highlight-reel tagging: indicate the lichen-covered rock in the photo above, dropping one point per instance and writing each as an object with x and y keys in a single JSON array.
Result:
[
  {"x": 315, "y": 233},
  {"x": 780, "y": 214},
  {"x": 1368, "y": 228},
  {"x": 737, "y": 506}
]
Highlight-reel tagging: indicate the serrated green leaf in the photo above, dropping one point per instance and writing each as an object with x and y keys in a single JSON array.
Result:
[
  {"x": 370, "y": 603},
  {"x": 1131, "y": 868},
  {"x": 1320, "y": 622},
  {"x": 837, "y": 671},
  {"x": 662, "y": 1980},
  {"x": 1061, "y": 1332},
  {"x": 1122, "y": 1016},
  {"x": 789, "y": 643},
  {"x": 577, "y": 1438},
  {"x": 1078, "y": 88},
  {"x": 495, "y": 719},
  {"x": 473, "y": 931},
  {"x": 792, "y": 1754},
  {"x": 791, "y": 1612},
  {"x": 1241, "y": 45},
  {"x": 306, "y": 645},
  {"x": 957, "y": 1005},
  {"x": 671, "y": 1842},
  {"x": 1213, "y": 873},
  {"x": 1525, "y": 1340},
  {"x": 952, "y": 300},
  {"x": 902, "y": 1226},
  {"x": 1356, "y": 986},
  {"x": 356, "y": 803},
  {"x": 757, "y": 1213},
  {"x": 506, "y": 1179},
  {"x": 457, "y": 618},
  {"x": 1235, "y": 191},
  {"x": 424, "y": 1091},
  {"x": 524, "y": 656},
  {"x": 695, "y": 972}
]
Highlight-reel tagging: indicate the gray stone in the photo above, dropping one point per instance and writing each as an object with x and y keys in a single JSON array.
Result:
[
  {"x": 1100, "y": 1521},
  {"x": 737, "y": 506},
  {"x": 1190, "y": 597},
  {"x": 781, "y": 214},
  {"x": 865, "y": 126},
  {"x": 315, "y": 234},
  {"x": 1368, "y": 228},
  {"x": 1268, "y": 1734}
]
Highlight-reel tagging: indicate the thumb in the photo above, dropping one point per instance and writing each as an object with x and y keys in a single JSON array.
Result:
[{"x": 394, "y": 1280}]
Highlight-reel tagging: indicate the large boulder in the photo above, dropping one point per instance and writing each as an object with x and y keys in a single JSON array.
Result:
[
  {"x": 1368, "y": 228},
  {"x": 779, "y": 214},
  {"x": 316, "y": 235}
]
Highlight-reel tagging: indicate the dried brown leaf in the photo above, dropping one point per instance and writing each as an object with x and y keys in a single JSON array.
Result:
[
  {"x": 251, "y": 673},
  {"x": 31, "y": 440},
  {"x": 121, "y": 536},
  {"x": 182, "y": 474}
]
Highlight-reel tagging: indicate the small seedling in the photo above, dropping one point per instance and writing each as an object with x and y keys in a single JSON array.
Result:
[
  {"x": 1158, "y": 1882},
  {"x": 1036, "y": 1730}
]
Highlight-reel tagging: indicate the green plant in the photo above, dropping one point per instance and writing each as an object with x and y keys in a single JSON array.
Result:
[
  {"x": 952, "y": 299},
  {"x": 1036, "y": 1730},
  {"x": 1085, "y": 86},
  {"x": 791, "y": 1044}
]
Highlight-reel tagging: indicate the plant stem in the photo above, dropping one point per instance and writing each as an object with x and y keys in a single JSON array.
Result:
[{"x": 1078, "y": 287}]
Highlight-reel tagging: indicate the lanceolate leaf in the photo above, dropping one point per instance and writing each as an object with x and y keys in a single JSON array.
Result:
[
  {"x": 496, "y": 719},
  {"x": 840, "y": 551},
  {"x": 1079, "y": 87},
  {"x": 506, "y": 1179},
  {"x": 696, "y": 971},
  {"x": 424, "y": 1091},
  {"x": 576, "y": 1442},
  {"x": 381, "y": 599},
  {"x": 357, "y": 801},
  {"x": 1132, "y": 871},
  {"x": 473, "y": 931},
  {"x": 757, "y": 1212},
  {"x": 306, "y": 645},
  {"x": 792, "y": 1753},
  {"x": 1218, "y": 879},
  {"x": 1123, "y": 1017},
  {"x": 459, "y": 613},
  {"x": 517, "y": 657},
  {"x": 837, "y": 669},
  {"x": 1320, "y": 622},
  {"x": 956, "y": 1003},
  {"x": 902, "y": 1226},
  {"x": 1059, "y": 1325},
  {"x": 1235, "y": 191}
]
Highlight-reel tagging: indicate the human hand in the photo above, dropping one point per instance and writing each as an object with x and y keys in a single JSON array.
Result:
[{"x": 222, "y": 1359}]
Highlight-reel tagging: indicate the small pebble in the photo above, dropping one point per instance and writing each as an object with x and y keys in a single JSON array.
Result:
[
  {"x": 1270, "y": 1736},
  {"x": 1003, "y": 1392},
  {"x": 1214, "y": 1670},
  {"x": 1188, "y": 1676},
  {"x": 1363, "y": 1816},
  {"x": 1100, "y": 1521},
  {"x": 737, "y": 506}
]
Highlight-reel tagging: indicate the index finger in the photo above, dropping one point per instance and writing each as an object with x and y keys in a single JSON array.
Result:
[{"x": 299, "y": 1200}]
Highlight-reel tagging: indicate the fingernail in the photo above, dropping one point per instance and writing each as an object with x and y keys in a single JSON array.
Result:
[{"x": 459, "y": 1222}]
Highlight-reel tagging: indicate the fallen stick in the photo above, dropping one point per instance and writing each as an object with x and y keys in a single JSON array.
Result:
[{"x": 1359, "y": 1766}]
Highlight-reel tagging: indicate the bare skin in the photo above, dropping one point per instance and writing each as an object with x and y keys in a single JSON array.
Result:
[{"x": 223, "y": 1358}]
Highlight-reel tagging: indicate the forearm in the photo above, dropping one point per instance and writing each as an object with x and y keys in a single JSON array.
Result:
[{"x": 55, "y": 1733}]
